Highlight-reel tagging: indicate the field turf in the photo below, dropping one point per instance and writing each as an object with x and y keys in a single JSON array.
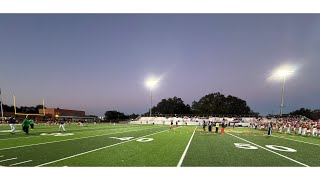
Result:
[{"x": 124, "y": 145}]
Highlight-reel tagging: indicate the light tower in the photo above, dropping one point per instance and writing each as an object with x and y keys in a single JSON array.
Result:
[
  {"x": 151, "y": 83},
  {"x": 282, "y": 73}
]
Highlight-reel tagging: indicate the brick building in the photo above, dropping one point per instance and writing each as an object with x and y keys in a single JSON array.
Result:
[{"x": 52, "y": 112}]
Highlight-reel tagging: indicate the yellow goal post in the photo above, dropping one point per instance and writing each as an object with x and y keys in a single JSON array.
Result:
[{"x": 28, "y": 114}]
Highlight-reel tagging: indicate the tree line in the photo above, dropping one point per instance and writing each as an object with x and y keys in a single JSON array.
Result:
[
  {"x": 311, "y": 114},
  {"x": 23, "y": 109},
  {"x": 213, "y": 103}
]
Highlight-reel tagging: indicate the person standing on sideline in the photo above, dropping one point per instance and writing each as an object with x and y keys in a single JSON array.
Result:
[
  {"x": 204, "y": 125},
  {"x": 31, "y": 124},
  {"x": 210, "y": 126},
  {"x": 171, "y": 124},
  {"x": 223, "y": 125},
  {"x": 269, "y": 128},
  {"x": 61, "y": 126},
  {"x": 25, "y": 125},
  {"x": 12, "y": 123},
  {"x": 217, "y": 127}
]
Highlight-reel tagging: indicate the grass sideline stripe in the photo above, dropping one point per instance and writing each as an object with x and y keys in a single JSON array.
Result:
[
  {"x": 187, "y": 147},
  {"x": 20, "y": 163},
  {"x": 98, "y": 149},
  {"x": 71, "y": 139},
  {"x": 269, "y": 150},
  {"x": 296, "y": 140}
]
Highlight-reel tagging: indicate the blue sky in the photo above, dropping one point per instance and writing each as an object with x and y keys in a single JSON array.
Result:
[{"x": 98, "y": 62}]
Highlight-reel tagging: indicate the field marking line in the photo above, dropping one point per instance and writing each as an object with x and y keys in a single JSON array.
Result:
[
  {"x": 296, "y": 140},
  {"x": 186, "y": 149},
  {"x": 20, "y": 163},
  {"x": 99, "y": 129},
  {"x": 98, "y": 149},
  {"x": 8, "y": 159},
  {"x": 71, "y": 139},
  {"x": 270, "y": 150}
]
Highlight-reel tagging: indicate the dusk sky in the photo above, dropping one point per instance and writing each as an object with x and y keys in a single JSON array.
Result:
[{"x": 98, "y": 62}]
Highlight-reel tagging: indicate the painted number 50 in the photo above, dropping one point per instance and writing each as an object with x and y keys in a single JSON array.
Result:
[{"x": 273, "y": 147}]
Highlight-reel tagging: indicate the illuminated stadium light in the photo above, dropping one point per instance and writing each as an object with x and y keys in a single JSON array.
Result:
[
  {"x": 151, "y": 83},
  {"x": 284, "y": 71},
  {"x": 281, "y": 74}
]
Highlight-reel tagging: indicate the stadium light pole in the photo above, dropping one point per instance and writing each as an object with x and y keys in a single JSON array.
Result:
[
  {"x": 151, "y": 83},
  {"x": 283, "y": 73}
]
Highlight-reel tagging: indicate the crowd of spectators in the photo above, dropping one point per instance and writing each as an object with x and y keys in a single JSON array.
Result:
[{"x": 297, "y": 125}]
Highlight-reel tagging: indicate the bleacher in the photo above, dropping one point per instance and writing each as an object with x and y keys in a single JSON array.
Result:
[{"x": 244, "y": 121}]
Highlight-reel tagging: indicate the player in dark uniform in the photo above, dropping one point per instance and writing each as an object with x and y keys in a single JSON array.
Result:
[
  {"x": 171, "y": 125},
  {"x": 204, "y": 125},
  {"x": 176, "y": 123},
  {"x": 269, "y": 128}
]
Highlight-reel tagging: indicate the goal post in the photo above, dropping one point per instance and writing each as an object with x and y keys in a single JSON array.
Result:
[{"x": 28, "y": 114}]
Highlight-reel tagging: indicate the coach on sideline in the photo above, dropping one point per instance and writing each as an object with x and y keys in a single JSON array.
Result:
[{"x": 269, "y": 128}]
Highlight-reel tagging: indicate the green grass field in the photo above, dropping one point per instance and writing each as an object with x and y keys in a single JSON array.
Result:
[{"x": 123, "y": 145}]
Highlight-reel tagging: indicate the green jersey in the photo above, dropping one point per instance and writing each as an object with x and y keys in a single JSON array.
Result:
[
  {"x": 31, "y": 121},
  {"x": 26, "y": 123}
]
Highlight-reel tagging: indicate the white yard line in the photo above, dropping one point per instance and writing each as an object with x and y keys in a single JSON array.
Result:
[
  {"x": 270, "y": 150},
  {"x": 296, "y": 140},
  {"x": 8, "y": 159},
  {"x": 98, "y": 149},
  {"x": 99, "y": 129},
  {"x": 69, "y": 139},
  {"x": 20, "y": 163},
  {"x": 185, "y": 151}
]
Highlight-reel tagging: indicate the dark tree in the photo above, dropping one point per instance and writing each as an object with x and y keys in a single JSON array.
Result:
[
  {"x": 303, "y": 112},
  {"x": 217, "y": 103},
  {"x": 173, "y": 105},
  {"x": 115, "y": 116}
]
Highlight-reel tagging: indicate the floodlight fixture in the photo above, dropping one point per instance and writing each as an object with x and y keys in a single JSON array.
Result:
[{"x": 151, "y": 83}]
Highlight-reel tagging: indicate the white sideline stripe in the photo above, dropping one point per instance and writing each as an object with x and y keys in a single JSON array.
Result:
[
  {"x": 70, "y": 139},
  {"x": 20, "y": 163},
  {"x": 185, "y": 151},
  {"x": 97, "y": 149},
  {"x": 296, "y": 140},
  {"x": 8, "y": 159},
  {"x": 270, "y": 151},
  {"x": 99, "y": 129}
]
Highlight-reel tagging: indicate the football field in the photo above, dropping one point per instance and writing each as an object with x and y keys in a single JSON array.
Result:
[{"x": 123, "y": 145}]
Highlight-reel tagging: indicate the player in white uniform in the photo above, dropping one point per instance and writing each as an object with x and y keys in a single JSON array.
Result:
[
  {"x": 314, "y": 130},
  {"x": 318, "y": 128},
  {"x": 61, "y": 126},
  {"x": 300, "y": 129},
  {"x": 288, "y": 128}
]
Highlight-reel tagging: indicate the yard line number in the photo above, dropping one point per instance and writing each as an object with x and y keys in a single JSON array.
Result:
[
  {"x": 129, "y": 138},
  {"x": 273, "y": 147}
]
